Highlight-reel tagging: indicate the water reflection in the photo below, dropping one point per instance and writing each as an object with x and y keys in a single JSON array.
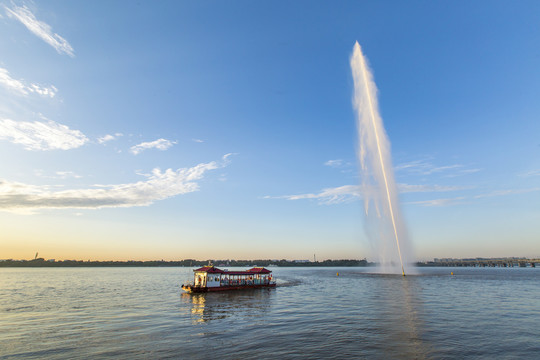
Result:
[
  {"x": 241, "y": 303},
  {"x": 399, "y": 317}
]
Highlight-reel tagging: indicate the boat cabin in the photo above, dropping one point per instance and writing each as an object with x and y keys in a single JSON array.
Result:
[{"x": 211, "y": 278}]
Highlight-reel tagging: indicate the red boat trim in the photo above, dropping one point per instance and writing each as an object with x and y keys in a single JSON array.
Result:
[{"x": 199, "y": 289}]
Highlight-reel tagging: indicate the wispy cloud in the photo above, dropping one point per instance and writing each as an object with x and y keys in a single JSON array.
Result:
[
  {"x": 334, "y": 163},
  {"x": 160, "y": 144},
  {"x": 19, "y": 87},
  {"x": 345, "y": 166},
  {"x": 347, "y": 193},
  {"x": 108, "y": 137},
  {"x": 531, "y": 173},
  {"x": 465, "y": 199},
  {"x": 470, "y": 171},
  {"x": 57, "y": 174},
  {"x": 198, "y": 140},
  {"x": 507, "y": 192},
  {"x": 39, "y": 135},
  {"x": 26, "y": 198},
  {"x": 67, "y": 174},
  {"x": 335, "y": 195},
  {"x": 408, "y": 188},
  {"x": 440, "y": 202},
  {"x": 342, "y": 165},
  {"x": 40, "y": 29},
  {"x": 424, "y": 168},
  {"x": 462, "y": 172}
]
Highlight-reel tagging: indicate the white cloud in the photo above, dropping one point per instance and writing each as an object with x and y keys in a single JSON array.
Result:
[
  {"x": 423, "y": 168},
  {"x": 108, "y": 137},
  {"x": 67, "y": 174},
  {"x": 335, "y": 163},
  {"x": 7, "y": 81},
  {"x": 440, "y": 202},
  {"x": 160, "y": 144},
  {"x": 463, "y": 199},
  {"x": 330, "y": 195},
  {"x": 40, "y": 29},
  {"x": 19, "y": 87},
  {"x": 507, "y": 192},
  {"x": 105, "y": 138},
  {"x": 347, "y": 193},
  {"x": 470, "y": 171},
  {"x": 198, "y": 140},
  {"x": 408, "y": 188},
  {"x": 25, "y": 198},
  {"x": 530, "y": 173},
  {"x": 57, "y": 174},
  {"x": 39, "y": 135},
  {"x": 43, "y": 91}
]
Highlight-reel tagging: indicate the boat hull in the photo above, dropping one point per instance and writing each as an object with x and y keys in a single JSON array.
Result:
[{"x": 200, "y": 289}]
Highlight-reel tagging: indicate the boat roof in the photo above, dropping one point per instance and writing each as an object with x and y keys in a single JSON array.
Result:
[
  {"x": 210, "y": 269},
  {"x": 259, "y": 270},
  {"x": 215, "y": 270}
]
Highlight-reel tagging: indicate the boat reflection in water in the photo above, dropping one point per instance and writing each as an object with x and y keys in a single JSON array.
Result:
[{"x": 247, "y": 304}]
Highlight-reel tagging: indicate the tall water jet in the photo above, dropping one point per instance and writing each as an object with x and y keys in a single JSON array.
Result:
[{"x": 384, "y": 224}]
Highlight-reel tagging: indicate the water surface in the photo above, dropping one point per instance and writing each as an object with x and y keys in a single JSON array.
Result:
[{"x": 69, "y": 313}]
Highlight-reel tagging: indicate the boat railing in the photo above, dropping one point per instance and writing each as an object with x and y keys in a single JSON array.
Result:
[{"x": 239, "y": 282}]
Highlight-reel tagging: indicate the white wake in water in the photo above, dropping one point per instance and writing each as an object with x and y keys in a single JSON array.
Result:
[{"x": 384, "y": 224}]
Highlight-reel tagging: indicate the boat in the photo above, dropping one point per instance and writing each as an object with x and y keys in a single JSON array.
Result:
[{"x": 210, "y": 278}]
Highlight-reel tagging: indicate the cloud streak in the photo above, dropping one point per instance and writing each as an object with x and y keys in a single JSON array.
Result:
[
  {"x": 463, "y": 199},
  {"x": 26, "y": 198},
  {"x": 21, "y": 88},
  {"x": 530, "y": 173},
  {"x": 57, "y": 175},
  {"x": 441, "y": 202},
  {"x": 348, "y": 193},
  {"x": 334, "y": 163},
  {"x": 335, "y": 195},
  {"x": 421, "y": 167},
  {"x": 40, "y": 29},
  {"x": 507, "y": 192},
  {"x": 41, "y": 136},
  {"x": 160, "y": 144}
]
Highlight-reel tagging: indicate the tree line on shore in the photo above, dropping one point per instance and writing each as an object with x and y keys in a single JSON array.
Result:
[{"x": 40, "y": 262}]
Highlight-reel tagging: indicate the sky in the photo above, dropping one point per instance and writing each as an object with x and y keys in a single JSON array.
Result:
[{"x": 225, "y": 130}]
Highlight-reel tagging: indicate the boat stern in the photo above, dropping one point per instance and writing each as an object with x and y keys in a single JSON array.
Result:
[{"x": 189, "y": 288}]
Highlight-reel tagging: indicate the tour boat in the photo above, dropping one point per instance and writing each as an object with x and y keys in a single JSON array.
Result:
[{"x": 210, "y": 278}]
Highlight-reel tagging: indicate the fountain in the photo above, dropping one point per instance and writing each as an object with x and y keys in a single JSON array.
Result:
[{"x": 384, "y": 224}]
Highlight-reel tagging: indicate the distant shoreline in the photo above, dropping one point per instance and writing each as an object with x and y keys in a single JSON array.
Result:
[
  {"x": 40, "y": 262},
  {"x": 478, "y": 262}
]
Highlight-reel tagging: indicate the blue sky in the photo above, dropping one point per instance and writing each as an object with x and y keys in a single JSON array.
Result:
[{"x": 226, "y": 130}]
